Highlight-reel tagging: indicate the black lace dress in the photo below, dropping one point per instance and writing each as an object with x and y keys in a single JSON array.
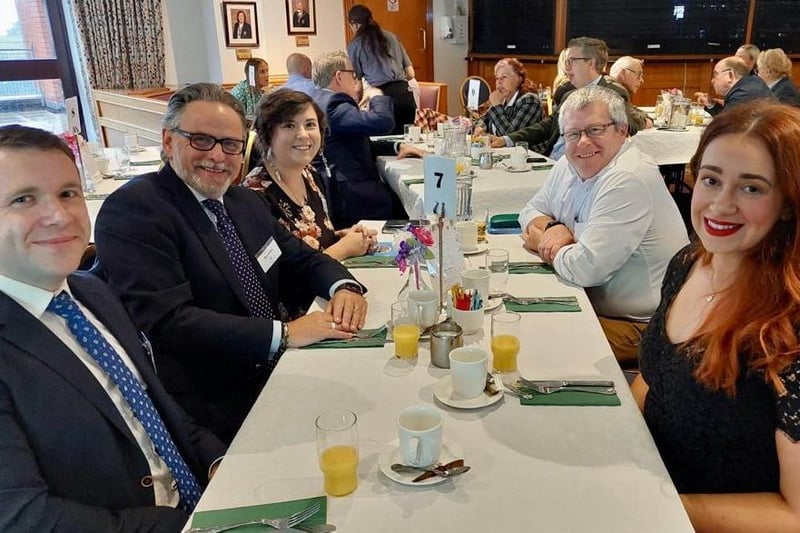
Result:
[{"x": 710, "y": 442}]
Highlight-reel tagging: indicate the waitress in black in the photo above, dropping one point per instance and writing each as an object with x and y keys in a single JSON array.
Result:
[{"x": 379, "y": 57}]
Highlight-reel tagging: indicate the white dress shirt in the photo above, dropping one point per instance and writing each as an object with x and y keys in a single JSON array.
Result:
[
  {"x": 35, "y": 300},
  {"x": 626, "y": 227}
]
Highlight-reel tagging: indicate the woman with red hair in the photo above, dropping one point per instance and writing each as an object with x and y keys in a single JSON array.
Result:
[
  {"x": 514, "y": 104},
  {"x": 720, "y": 381}
]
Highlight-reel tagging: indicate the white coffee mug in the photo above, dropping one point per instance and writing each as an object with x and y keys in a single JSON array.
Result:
[
  {"x": 429, "y": 306},
  {"x": 420, "y": 431},
  {"x": 468, "y": 367},
  {"x": 467, "y": 235},
  {"x": 476, "y": 278}
]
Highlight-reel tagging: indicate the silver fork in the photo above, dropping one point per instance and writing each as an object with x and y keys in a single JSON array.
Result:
[
  {"x": 541, "y": 299},
  {"x": 278, "y": 523},
  {"x": 550, "y": 389}
]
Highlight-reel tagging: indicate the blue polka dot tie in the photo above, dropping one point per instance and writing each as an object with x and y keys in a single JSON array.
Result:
[
  {"x": 256, "y": 296},
  {"x": 96, "y": 345}
]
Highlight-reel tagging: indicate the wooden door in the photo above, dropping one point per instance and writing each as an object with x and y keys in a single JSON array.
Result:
[{"x": 412, "y": 24}]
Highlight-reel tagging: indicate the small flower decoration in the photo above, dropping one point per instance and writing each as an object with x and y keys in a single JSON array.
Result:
[
  {"x": 461, "y": 122},
  {"x": 412, "y": 246}
]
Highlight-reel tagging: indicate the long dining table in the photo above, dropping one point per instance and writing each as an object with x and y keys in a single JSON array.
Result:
[
  {"x": 497, "y": 189},
  {"x": 533, "y": 468}
]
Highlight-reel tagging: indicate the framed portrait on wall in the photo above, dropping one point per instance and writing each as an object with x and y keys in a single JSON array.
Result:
[
  {"x": 301, "y": 17},
  {"x": 241, "y": 24}
]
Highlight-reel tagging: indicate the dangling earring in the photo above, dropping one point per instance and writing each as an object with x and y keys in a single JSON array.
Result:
[{"x": 271, "y": 162}]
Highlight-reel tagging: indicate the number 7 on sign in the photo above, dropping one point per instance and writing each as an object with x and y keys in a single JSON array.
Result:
[{"x": 440, "y": 185}]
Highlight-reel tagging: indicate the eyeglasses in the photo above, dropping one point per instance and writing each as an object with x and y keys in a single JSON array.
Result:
[
  {"x": 715, "y": 73},
  {"x": 353, "y": 72},
  {"x": 639, "y": 75},
  {"x": 591, "y": 131},
  {"x": 569, "y": 60},
  {"x": 206, "y": 143}
]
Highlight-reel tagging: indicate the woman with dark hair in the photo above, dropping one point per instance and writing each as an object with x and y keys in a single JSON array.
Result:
[
  {"x": 290, "y": 126},
  {"x": 242, "y": 29},
  {"x": 379, "y": 57},
  {"x": 514, "y": 103},
  {"x": 720, "y": 381},
  {"x": 254, "y": 84}
]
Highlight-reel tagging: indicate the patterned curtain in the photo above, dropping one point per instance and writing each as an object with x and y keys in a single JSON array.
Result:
[{"x": 123, "y": 42}]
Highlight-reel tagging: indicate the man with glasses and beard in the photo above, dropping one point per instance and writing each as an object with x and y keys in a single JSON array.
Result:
[
  {"x": 204, "y": 268},
  {"x": 604, "y": 218}
]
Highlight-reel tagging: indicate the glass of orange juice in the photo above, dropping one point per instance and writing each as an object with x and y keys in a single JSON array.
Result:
[
  {"x": 505, "y": 341},
  {"x": 406, "y": 328},
  {"x": 337, "y": 450}
]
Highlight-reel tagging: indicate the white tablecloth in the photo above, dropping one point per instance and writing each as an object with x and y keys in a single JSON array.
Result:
[
  {"x": 565, "y": 469},
  {"x": 497, "y": 189},
  {"x": 669, "y": 147}
]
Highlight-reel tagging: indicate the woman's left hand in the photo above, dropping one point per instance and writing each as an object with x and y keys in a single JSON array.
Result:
[{"x": 496, "y": 97}]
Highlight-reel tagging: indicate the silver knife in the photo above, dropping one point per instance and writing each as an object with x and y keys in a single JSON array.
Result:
[{"x": 567, "y": 382}]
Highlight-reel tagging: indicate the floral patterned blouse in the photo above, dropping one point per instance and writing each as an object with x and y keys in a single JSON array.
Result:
[{"x": 309, "y": 222}]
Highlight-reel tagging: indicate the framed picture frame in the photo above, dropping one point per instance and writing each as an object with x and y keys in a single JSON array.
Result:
[
  {"x": 301, "y": 17},
  {"x": 241, "y": 24}
]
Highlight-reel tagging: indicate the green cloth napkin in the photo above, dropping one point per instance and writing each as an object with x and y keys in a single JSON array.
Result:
[
  {"x": 370, "y": 261},
  {"x": 530, "y": 268},
  {"x": 221, "y": 517},
  {"x": 543, "y": 307},
  {"x": 542, "y": 166},
  {"x": 568, "y": 397},
  {"x": 413, "y": 180},
  {"x": 145, "y": 163},
  {"x": 376, "y": 340}
]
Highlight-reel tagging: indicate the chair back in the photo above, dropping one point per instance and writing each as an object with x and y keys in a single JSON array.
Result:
[
  {"x": 474, "y": 92},
  {"x": 433, "y": 95},
  {"x": 250, "y": 151}
]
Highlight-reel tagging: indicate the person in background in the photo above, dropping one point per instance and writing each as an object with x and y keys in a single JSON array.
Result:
[
  {"x": 214, "y": 274},
  {"x": 378, "y": 56},
  {"x": 254, "y": 84},
  {"x": 355, "y": 188},
  {"x": 749, "y": 54},
  {"x": 514, "y": 103},
  {"x": 604, "y": 218},
  {"x": 629, "y": 72},
  {"x": 299, "y": 68},
  {"x": 720, "y": 368},
  {"x": 290, "y": 127},
  {"x": 241, "y": 28},
  {"x": 90, "y": 441},
  {"x": 732, "y": 80},
  {"x": 561, "y": 84},
  {"x": 775, "y": 68}
]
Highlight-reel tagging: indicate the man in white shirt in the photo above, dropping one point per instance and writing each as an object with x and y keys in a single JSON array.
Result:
[
  {"x": 605, "y": 219},
  {"x": 90, "y": 439}
]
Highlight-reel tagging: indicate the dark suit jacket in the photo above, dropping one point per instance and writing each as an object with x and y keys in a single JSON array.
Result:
[
  {"x": 542, "y": 136},
  {"x": 356, "y": 190},
  {"x": 162, "y": 254},
  {"x": 300, "y": 19},
  {"x": 247, "y": 31},
  {"x": 69, "y": 461},
  {"x": 747, "y": 89},
  {"x": 786, "y": 92}
]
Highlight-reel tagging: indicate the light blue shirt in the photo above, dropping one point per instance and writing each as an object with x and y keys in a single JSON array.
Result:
[{"x": 298, "y": 82}]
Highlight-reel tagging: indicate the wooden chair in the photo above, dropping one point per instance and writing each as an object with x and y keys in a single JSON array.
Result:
[
  {"x": 433, "y": 95},
  {"x": 248, "y": 163},
  {"x": 474, "y": 92}
]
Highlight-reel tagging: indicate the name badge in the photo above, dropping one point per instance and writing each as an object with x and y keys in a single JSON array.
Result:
[{"x": 268, "y": 254}]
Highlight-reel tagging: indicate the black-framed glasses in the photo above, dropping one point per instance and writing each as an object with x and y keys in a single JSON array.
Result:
[
  {"x": 569, "y": 60},
  {"x": 591, "y": 131},
  {"x": 206, "y": 143},
  {"x": 351, "y": 71},
  {"x": 716, "y": 73},
  {"x": 639, "y": 75}
]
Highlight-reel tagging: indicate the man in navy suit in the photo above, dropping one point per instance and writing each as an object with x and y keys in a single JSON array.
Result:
[
  {"x": 732, "y": 80},
  {"x": 208, "y": 273},
  {"x": 75, "y": 454}
]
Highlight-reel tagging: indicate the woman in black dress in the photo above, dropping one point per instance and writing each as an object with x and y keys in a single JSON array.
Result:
[{"x": 720, "y": 381}]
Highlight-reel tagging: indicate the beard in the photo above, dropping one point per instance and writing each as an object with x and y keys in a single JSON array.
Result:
[{"x": 209, "y": 186}]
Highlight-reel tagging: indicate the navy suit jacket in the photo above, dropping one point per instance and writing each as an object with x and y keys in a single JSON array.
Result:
[
  {"x": 355, "y": 189},
  {"x": 247, "y": 31},
  {"x": 70, "y": 463},
  {"x": 786, "y": 92},
  {"x": 162, "y": 254},
  {"x": 747, "y": 89}
]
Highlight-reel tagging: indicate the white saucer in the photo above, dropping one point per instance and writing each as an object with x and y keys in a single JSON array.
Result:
[
  {"x": 492, "y": 303},
  {"x": 509, "y": 168},
  {"x": 444, "y": 393},
  {"x": 482, "y": 247},
  {"x": 391, "y": 454}
]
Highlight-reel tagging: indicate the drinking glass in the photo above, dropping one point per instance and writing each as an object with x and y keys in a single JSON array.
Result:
[
  {"x": 406, "y": 319},
  {"x": 123, "y": 156},
  {"x": 337, "y": 450},
  {"x": 497, "y": 265},
  {"x": 132, "y": 142},
  {"x": 505, "y": 341}
]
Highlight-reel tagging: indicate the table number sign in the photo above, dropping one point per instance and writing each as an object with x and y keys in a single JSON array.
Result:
[{"x": 440, "y": 185}]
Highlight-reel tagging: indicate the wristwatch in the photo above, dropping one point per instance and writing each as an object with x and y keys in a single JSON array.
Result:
[
  {"x": 352, "y": 287},
  {"x": 553, "y": 223},
  {"x": 284, "y": 340}
]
